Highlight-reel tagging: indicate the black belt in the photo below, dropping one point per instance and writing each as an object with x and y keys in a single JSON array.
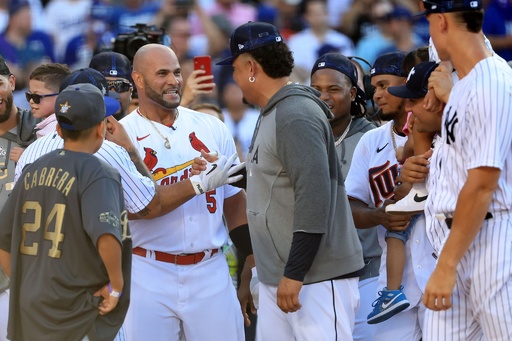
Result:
[{"x": 449, "y": 221}]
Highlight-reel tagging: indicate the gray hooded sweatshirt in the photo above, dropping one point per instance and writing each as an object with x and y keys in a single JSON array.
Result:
[{"x": 294, "y": 184}]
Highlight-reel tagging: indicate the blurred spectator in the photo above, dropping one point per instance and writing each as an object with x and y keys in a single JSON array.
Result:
[
  {"x": 236, "y": 12},
  {"x": 20, "y": 45},
  {"x": 288, "y": 21},
  {"x": 132, "y": 12},
  {"x": 209, "y": 109},
  {"x": 67, "y": 20},
  {"x": 336, "y": 9},
  {"x": 497, "y": 26},
  {"x": 239, "y": 118},
  {"x": 4, "y": 15},
  {"x": 378, "y": 33},
  {"x": 403, "y": 38},
  {"x": 307, "y": 44}
]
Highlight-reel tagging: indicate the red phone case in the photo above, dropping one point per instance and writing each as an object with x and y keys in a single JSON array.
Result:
[{"x": 203, "y": 63}]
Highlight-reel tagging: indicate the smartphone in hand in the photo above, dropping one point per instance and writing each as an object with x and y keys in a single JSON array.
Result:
[{"x": 204, "y": 63}]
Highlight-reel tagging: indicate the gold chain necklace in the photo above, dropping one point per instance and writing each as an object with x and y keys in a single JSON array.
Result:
[
  {"x": 393, "y": 136},
  {"x": 342, "y": 137},
  {"x": 167, "y": 144}
]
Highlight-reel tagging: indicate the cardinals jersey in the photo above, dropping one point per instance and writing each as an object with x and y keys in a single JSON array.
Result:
[
  {"x": 371, "y": 179},
  {"x": 196, "y": 225}
]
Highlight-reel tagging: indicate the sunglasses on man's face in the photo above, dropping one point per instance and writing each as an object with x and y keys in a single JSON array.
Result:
[
  {"x": 119, "y": 86},
  {"x": 37, "y": 98}
]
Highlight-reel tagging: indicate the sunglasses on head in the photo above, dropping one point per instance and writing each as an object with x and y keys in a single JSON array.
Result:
[
  {"x": 119, "y": 86},
  {"x": 37, "y": 98}
]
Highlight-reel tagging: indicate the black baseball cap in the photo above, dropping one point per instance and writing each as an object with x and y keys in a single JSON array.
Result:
[
  {"x": 112, "y": 64},
  {"x": 443, "y": 6},
  {"x": 4, "y": 69},
  {"x": 251, "y": 36},
  {"x": 80, "y": 107},
  {"x": 389, "y": 64},
  {"x": 417, "y": 82},
  {"x": 95, "y": 78},
  {"x": 340, "y": 63}
]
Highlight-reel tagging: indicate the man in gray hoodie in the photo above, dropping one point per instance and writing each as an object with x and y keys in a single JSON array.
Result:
[{"x": 305, "y": 244}]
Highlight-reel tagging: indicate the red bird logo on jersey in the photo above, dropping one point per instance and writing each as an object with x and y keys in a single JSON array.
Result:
[
  {"x": 196, "y": 143},
  {"x": 150, "y": 159}
]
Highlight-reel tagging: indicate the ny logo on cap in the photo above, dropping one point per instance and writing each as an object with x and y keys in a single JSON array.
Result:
[
  {"x": 411, "y": 73},
  {"x": 240, "y": 46}
]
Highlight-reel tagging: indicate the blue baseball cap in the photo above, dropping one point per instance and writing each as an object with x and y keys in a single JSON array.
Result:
[
  {"x": 112, "y": 64},
  {"x": 251, "y": 36},
  {"x": 389, "y": 64},
  {"x": 80, "y": 107},
  {"x": 95, "y": 78},
  {"x": 417, "y": 82},
  {"x": 443, "y": 6},
  {"x": 340, "y": 63}
]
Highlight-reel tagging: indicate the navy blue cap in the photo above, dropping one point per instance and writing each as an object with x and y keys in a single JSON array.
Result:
[
  {"x": 80, "y": 107},
  {"x": 112, "y": 64},
  {"x": 417, "y": 82},
  {"x": 95, "y": 78},
  {"x": 443, "y": 6},
  {"x": 340, "y": 63},
  {"x": 389, "y": 64},
  {"x": 4, "y": 69},
  {"x": 16, "y": 5},
  {"x": 251, "y": 36}
]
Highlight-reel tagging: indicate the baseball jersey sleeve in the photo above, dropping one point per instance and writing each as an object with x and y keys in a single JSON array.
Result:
[
  {"x": 489, "y": 125},
  {"x": 357, "y": 179},
  {"x": 138, "y": 189},
  {"x": 101, "y": 211},
  {"x": 7, "y": 214}
]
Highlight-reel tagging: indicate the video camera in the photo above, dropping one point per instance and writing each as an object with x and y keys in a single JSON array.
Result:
[{"x": 129, "y": 43}]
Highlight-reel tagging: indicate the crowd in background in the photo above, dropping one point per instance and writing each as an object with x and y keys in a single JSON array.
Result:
[{"x": 35, "y": 32}]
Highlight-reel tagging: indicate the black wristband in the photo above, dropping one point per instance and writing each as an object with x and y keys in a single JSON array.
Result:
[{"x": 242, "y": 239}]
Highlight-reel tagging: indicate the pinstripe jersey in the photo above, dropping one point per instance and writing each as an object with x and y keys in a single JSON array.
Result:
[
  {"x": 476, "y": 132},
  {"x": 138, "y": 190}
]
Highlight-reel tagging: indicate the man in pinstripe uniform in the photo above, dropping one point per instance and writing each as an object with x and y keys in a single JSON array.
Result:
[{"x": 469, "y": 292}]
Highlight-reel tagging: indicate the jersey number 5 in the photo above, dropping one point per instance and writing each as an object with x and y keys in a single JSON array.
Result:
[
  {"x": 56, "y": 215},
  {"x": 211, "y": 202}
]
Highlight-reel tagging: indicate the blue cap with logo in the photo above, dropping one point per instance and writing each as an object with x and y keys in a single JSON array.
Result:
[
  {"x": 80, "y": 107},
  {"x": 95, "y": 78},
  {"x": 389, "y": 64},
  {"x": 112, "y": 64},
  {"x": 443, "y": 6},
  {"x": 340, "y": 63},
  {"x": 417, "y": 82},
  {"x": 251, "y": 36}
]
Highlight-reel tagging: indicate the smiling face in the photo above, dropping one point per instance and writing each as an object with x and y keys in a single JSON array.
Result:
[
  {"x": 425, "y": 121},
  {"x": 336, "y": 90},
  {"x": 159, "y": 78},
  {"x": 390, "y": 106},
  {"x": 6, "y": 100}
]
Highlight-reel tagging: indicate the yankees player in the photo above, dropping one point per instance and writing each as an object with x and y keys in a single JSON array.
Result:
[
  {"x": 370, "y": 183},
  {"x": 16, "y": 130},
  {"x": 335, "y": 76},
  {"x": 470, "y": 288},
  {"x": 74, "y": 201},
  {"x": 306, "y": 248},
  {"x": 181, "y": 282}
]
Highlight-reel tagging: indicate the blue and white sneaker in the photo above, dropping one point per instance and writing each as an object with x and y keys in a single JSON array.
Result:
[{"x": 389, "y": 303}]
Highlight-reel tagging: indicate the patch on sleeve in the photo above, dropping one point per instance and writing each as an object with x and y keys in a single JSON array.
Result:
[{"x": 110, "y": 218}]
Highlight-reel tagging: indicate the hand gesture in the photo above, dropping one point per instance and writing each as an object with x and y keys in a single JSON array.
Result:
[
  {"x": 217, "y": 174},
  {"x": 15, "y": 153},
  {"x": 108, "y": 303},
  {"x": 193, "y": 88}
]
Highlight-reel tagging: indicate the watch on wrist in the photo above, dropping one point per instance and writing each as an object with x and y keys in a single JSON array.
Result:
[{"x": 113, "y": 293}]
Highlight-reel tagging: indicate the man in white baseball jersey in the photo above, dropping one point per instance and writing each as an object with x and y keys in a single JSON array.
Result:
[
  {"x": 181, "y": 283},
  {"x": 370, "y": 183},
  {"x": 469, "y": 291}
]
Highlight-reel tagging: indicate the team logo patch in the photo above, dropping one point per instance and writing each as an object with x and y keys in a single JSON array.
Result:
[
  {"x": 64, "y": 107},
  {"x": 110, "y": 218},
  {"x": 413, "y": 71},
  {"x": 196, "y": 143}
]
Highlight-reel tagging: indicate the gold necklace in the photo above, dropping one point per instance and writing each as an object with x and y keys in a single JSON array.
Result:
[
  {"x": 167, "y": 144},
  {"x": 393, "y": 136}
]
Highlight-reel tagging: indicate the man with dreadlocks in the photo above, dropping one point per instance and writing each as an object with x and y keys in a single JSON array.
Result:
[{"x": 335, "y": 76}]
